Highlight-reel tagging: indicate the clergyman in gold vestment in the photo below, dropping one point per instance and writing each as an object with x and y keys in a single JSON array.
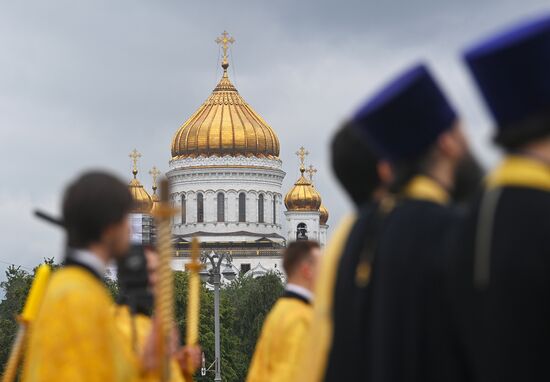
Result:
[
  {"x": 283, "y": 335},
  {"x": 74, "y": 337}
]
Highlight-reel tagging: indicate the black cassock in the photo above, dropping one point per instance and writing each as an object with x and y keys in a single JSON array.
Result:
[
  {"x": 501, "y": 277},
  {"x": 346, "y": 359},
  {"x": 396, "y": 328}
]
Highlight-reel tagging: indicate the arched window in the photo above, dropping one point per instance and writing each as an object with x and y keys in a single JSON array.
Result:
[
  {"x": 183, "y": 210},
  {"x": 301, "y": 231},
  {"x": 274, "y": 209},
  {"x": 242, "y": 207},
  {"x": 261, "y": 208},
  {"x": 200, "y": 208},
  {"x": 221, "y": 207}
]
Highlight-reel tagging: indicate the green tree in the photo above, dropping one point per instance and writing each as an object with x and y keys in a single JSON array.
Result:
[
  {"x": 232, "y": 358},
  {"x": 15, "y": 289},
  {"x": 252, "y": 299}
]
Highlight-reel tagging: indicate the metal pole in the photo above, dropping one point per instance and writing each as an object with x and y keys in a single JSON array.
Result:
[{"x": 217, "y": 277}]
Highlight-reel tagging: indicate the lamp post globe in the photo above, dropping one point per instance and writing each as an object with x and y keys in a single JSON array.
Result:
[{"x": 229, "y": 273}]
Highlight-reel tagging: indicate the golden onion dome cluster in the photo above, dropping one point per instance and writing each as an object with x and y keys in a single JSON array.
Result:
[{"x": 302, "y": 196}]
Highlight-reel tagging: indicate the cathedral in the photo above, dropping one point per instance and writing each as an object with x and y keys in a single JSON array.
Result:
[{"x": 226, "y": 182}]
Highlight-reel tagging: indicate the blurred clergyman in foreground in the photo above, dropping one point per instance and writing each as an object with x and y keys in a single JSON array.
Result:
[
  {"x": 364, "y": 178},
  {"x": 401, "y": 247},
  {"x": 281, "y": 342},
  {"x": 137, "y": 277},
  {"x": 75, "y": 337},
  {"x": 501, "y": 277}
]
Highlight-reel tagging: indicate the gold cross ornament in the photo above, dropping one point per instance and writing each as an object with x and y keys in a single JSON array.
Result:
[
  {"x": 135, "y": 155},
  {"x": 154, "y": 172},
  {"x": 311, "y": 171},
  {"x": 302, "y": 153},
  {"x": 224, "y": 40}
]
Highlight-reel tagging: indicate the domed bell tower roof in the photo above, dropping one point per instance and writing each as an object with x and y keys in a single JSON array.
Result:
[
  {"x": 225, "y": 124},
  {"x": 143, "y": 201},
  {"x": 303, "y": 196}
]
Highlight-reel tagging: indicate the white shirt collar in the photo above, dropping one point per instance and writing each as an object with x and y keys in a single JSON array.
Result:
[
  {"x": 300, "y": 290},
  {"x": 87, "y": 258}
]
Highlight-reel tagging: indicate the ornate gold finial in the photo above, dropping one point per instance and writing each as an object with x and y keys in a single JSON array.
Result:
[
  {"x": 224, "y": 40},
  {"x": 154, "y": 172},
  {"x": 311, "y": 171},
  {"x": 302, "y": 153},
  {"x": 135, "y": 155}
]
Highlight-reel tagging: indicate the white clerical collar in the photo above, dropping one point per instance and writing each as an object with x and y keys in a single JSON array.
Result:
[
  {"x": 87, "y": 258},
  {"x": 300, "y": 290}
]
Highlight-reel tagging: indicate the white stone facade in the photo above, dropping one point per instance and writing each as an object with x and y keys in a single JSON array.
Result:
[{"x": 226, "y": 178}]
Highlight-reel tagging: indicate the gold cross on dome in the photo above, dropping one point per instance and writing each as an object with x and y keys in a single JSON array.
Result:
[
  {"x": 311, "y": 171},
  {"x": 135, "y": 155},
  {"x": 154, "y": 172},
  {"x": 224, "y": 40},
  {"x": 302, "y": 153}
]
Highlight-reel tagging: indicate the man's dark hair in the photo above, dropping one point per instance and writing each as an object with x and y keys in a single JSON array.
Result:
[
  {"x": 354, "y": 164},
  {"x": 295, "y": 253},
  {"x": 91, "y": 204}
]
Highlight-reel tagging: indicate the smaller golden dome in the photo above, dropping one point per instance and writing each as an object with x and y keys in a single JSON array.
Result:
[
  {"x": 143, "y": 202},
  {"x": 303, "y": 196},
  {"x": 324, "y": 214}
]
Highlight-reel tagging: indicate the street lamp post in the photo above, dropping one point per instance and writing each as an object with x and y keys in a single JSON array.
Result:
[{"x": 213, "y": 276}]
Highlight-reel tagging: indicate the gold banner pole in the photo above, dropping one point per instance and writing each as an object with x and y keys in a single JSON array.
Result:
[
  {"x": 193, "y": 302},
  {"x": 164, "y": 294},
  {"x": 27, "y": 317}
]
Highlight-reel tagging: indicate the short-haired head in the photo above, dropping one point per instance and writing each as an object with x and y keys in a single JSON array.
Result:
[
  {"x": 296, "y": 254},
  {"x": 93, "y": 203}
]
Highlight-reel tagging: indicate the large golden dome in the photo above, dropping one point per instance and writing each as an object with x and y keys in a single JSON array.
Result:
[
  {"x": 225, "y": 125},
  {"x": 303, "y": 196}
]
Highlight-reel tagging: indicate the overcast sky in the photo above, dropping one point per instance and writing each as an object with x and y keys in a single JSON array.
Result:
[{"x": 82, "y": 83}]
